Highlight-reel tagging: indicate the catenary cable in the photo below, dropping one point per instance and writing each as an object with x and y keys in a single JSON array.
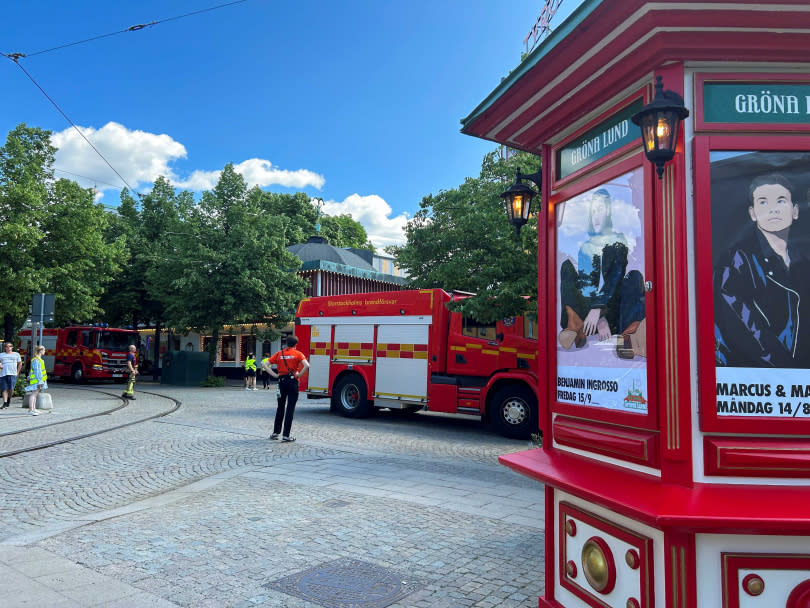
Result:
[
  {"x": 132, "y": 28},
  {"x": 15, "y": 57}
]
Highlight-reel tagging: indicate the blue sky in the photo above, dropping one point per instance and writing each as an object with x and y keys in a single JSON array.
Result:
[{"x": 357, "y": 102}]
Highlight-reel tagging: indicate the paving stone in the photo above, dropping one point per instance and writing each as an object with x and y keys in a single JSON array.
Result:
[{"x": 199, "y": 509}]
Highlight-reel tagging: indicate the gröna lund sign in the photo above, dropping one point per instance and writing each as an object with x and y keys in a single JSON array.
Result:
[
  {"x": 756, "y": 102},
  {"x": 608, "y": 136}
]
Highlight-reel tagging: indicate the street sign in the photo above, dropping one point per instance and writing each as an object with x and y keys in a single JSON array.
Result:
[{"x": 42, "y": 307}]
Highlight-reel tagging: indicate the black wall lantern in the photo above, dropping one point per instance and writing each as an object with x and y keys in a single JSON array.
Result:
[
  {"x": 660, "y": 122},
  {"x": 518, "y": 198}
]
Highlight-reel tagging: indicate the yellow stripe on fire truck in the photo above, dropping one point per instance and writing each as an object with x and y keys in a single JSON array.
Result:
[
  {"x": 354, "y": 351},
  {"x": 321, "y": 348},
  {"x": 402, "y": 351}
]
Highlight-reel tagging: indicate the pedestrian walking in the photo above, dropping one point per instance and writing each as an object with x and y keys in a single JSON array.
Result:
[
  {"x": 250, "y": 373},
  {"x": 37, "y": 380},
  {"x": 265, "y": 367},
  {"x": 290, "y": 364},
  {"x": 132, "y": 368},
  {"x": 10, "y": 366}
]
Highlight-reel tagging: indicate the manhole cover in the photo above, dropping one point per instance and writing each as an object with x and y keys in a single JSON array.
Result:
[{"x": 346, "y": 583}]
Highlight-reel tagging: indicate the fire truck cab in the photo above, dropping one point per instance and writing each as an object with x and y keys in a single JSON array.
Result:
[{"x": 83, "y": 352}]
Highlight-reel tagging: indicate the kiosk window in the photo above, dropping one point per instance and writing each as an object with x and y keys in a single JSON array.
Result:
[
  {"x": 601, "y": 331},
  {"x": 760, "y": 224}
]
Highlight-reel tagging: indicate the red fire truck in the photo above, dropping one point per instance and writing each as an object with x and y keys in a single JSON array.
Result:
[
  {"x": 405, "y": 350},
  {"x": 83, "y": 352}
]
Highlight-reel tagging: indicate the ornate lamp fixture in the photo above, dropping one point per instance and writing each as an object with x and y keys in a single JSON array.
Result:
[
  {"x": 660, "y": 121},
  {"x": 518, "y": 198}
]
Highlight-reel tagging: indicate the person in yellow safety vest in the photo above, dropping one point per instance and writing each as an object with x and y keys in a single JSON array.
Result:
[
  {"x": 250, "y": 373},
  {"x": 37, "y": 380}
]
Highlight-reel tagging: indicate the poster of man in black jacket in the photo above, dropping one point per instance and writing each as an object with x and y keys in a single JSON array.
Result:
[{"x": 761, "y": 294}]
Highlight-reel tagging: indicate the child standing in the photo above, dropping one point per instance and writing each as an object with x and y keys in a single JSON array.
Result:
[{"x": 37, "y": 380}]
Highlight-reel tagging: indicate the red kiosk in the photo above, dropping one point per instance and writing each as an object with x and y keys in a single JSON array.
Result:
[{"x": 676, "y": 310}]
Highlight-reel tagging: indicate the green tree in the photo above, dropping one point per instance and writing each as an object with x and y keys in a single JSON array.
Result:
[
  {"x": 52, "y": 234},
  {"x": 296, "y": 208},
  {"x": 460, "y": 239},
  {"x": 26, "y": 162},
  {"x": 232, "y": 267},
  {"x": 121, "y": 298},
  {"x": 302, "y": 215},
  {"x": 343, "y": 231},
  {"x": 76, "y": 258}
]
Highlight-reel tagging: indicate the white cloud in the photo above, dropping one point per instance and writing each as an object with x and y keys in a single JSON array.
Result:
[
  {"x": 257, "y": 172},
  {"x": 375, "y": 216},
  {"x": 140, "y": 157},
  {"x": 137, "y": 155}
]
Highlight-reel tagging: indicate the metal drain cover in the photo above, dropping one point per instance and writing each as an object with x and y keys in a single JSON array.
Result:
[{"x": 346, "y": 583}]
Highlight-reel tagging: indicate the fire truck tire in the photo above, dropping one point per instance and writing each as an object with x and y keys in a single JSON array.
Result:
[
  {"x": 514, "y": 412},
  {"x": 77, "y": 374},
  {"x": 349, "y": 397}
]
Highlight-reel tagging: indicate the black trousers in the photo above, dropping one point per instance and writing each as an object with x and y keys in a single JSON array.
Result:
[{"x": 288, "y": 386}]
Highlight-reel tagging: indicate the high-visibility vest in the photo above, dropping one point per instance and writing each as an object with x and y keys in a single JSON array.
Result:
[
  {"x": 32, "y": 377},
  {"x": 250, "y": 364},
  {"x": 265, "y": 362}
]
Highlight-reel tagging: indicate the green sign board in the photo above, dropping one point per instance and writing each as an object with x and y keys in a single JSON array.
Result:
[
  {"x": 756, "y": 102},
  {"x": 600, "y": 141}
]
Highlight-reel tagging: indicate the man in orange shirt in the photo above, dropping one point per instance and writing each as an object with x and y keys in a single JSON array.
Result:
[{"x": 290, "y": 364}]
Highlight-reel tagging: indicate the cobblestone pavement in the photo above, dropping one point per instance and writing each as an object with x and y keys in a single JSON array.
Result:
[{"x": 199, "y": 508}]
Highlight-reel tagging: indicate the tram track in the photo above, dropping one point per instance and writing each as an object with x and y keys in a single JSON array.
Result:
[{"x": 62, "y": 440}]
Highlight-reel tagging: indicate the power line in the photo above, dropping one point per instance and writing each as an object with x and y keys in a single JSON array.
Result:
[
  {"x": 78, "y": 130},
  {"x": 92, "y": 179},
  {"x": 132, "y": 28},
  {"x": 15, "y": 57}
]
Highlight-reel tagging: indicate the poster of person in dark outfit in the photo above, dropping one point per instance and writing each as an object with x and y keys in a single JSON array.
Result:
[
  {"x": 761, "y": 281},
  {"x": 601, "y": 338}
]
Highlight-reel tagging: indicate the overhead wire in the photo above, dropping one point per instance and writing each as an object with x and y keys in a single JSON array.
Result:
[
  {"x": 131, "y": 28},
  {"x": 15, "y": 57},
  {"x": 78, "y": 130},
  {"x": 92, "y": 179}
]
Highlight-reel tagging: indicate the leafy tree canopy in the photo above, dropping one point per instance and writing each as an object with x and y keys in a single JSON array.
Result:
[
  {"x": 232, "y": 266},
  {"x": 343, "y": 231},
  {"x": 52, "y": 235},
  {"x": 460, "y": 239}
]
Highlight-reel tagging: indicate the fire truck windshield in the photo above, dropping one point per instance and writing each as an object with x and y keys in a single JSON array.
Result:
[{"x": 113, "y": 340}]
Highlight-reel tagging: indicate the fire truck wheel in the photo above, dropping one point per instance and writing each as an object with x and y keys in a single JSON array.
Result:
[
  {"x": 77, "y": 374},
  {"x": 514, "y": 412},
  {"x": 349, "y": 397}
]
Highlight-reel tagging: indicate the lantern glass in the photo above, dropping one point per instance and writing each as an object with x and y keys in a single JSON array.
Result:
[
  {"x": 660, "y": 122},
  {"x": 518, "y": 200},
  {"x": 519, "y": 208}
]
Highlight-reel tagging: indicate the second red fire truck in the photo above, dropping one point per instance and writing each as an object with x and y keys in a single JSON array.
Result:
[
  {"x": 84, "y": 352},
  {"x": 405, "y": 350}
]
